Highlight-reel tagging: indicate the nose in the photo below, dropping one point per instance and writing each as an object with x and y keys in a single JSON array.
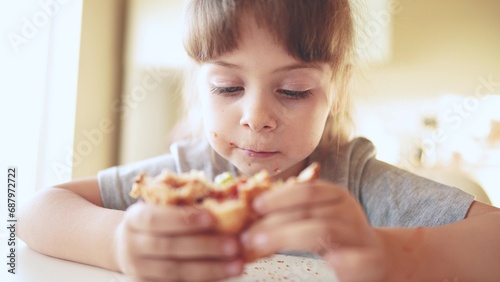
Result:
[{"x": 258, "y": 114}]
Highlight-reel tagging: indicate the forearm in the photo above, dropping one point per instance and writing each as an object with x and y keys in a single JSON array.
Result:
[
  {"x": 62, "y": 224},
  {"x": 468, "y": 250}
]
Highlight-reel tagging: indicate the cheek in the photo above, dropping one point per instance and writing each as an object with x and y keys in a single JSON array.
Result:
[
  {"x": 217, "y": 120},
  {"x": 217, "y": 129},
  {"x": 209, "y": 109},
  {"x": 320, "y": 115},
  {"x": 315, "y": 119}
]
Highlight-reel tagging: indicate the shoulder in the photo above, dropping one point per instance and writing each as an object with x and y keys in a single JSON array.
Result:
[
  {"x": 197, "y": 154},
  {"x": 359, "y": 149},
  {"x": 116, "y": 182},
  {"x": 346, "y": 162},
  {"x": 184, "y": 156},
  {"x": 190, "y": 154}
]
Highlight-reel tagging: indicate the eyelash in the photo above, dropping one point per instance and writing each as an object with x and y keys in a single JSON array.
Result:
[
  {"x": 230, "y": 91},
  {"x": 226, "y": 91},
  {"x": 295, "y": 94}
]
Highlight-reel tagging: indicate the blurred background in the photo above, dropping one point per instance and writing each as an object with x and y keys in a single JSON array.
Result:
[{"x": 90, "y": 84}]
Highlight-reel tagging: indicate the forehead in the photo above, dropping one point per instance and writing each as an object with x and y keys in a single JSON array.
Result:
[
  {"x": 257, "y": 42},
  {"x": 258, "y": 49}
]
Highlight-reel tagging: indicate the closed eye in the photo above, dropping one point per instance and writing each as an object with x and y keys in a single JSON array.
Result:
[
  {"x": 295, "y": 94},
  {"x": 226, "y": 91}
]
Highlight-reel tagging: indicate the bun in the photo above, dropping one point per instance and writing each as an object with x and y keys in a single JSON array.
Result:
[{"x": 228, "y": 199}]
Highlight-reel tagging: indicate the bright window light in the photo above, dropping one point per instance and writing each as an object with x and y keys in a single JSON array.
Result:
[{"x": 38, "y": 72}]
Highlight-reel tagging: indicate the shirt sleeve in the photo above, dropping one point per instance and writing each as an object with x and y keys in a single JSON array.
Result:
[
  {"x": 394, "y": 197},
  {"x": 116, "y": 182}
]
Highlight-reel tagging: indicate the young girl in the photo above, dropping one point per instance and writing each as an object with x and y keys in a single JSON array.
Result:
[{"x": 271, "y": 93}]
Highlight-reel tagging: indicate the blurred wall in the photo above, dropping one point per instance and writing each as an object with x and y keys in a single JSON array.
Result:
[
  {"x": 444, "y": 59},
  {"x": 99, "y": 85},
  {"x": 438, "y": 47},
  {"x": 154, "y": 61}
]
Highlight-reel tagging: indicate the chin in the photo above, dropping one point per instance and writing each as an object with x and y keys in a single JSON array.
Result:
[
  {"x": 274, "y": 169},
  {"x": 249, "y": 169}
]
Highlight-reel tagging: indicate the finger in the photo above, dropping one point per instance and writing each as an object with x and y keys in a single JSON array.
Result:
[
  {"x": 168, "y": 219},
  {"x": 172, "y": 270},
  {"x": 326, "y": 211},
  {"x": 316, "y": 236},
  {"x": 345, "y": 211},
  {"x": 186, "y": 246},
  {"x": 293, "y": 195}
]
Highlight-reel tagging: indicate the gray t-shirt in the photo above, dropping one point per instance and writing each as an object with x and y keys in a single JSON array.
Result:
[{"x": 390, "y": 196}]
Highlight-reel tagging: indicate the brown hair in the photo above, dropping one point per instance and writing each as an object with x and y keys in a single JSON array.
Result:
[{"x": 311, "y": 31}]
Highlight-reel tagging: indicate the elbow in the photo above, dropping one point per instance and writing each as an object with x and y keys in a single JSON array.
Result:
[{"x": 30, "y": 215}]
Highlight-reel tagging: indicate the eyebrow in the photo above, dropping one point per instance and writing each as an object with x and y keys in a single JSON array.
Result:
[
  {"x": 225, "y": 64},
  {"x": 298, "y": 66},
  {"x": 280, "y": 69}
]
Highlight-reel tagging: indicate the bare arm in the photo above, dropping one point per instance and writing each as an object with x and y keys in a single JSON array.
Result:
[
  {"x": 326, "y": 219},
  {"x": 69, "y": 222},
  {"x": 146, "y": 242},
  {"x": 468, "y": 250}
]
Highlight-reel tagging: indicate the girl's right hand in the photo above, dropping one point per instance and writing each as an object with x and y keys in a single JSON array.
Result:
[{"x": 156, "y": 243}]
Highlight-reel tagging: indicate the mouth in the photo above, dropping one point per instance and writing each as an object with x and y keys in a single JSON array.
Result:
[
  {"x": 256, "y": 153},
  {"x": 259, "y": 154}
]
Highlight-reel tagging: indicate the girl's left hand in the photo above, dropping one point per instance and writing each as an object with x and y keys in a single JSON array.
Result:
[{"x": 322, "y": 218}]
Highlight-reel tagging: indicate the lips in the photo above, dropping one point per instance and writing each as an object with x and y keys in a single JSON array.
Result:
[
  {"x": 259, "y": 154},
  {"x": 255, "y": 153}
]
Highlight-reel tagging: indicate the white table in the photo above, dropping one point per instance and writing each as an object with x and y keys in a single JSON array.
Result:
[{"x": 32, "y": 266}]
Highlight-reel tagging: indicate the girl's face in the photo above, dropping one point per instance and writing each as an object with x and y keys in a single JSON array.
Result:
[{"x": 262, "y": 108}]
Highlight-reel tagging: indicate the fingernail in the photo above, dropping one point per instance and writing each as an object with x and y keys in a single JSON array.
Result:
[
  {"x": 333, "y": 259},
  {"x": 260, "y": 240},
  {"x": 234, "y": 268},
  {"x": 230, "y": 247},
  {"x": 244, "y": 238},
  {"x": 204, "y": 219},
  {"x": 258, "y": 204}
]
